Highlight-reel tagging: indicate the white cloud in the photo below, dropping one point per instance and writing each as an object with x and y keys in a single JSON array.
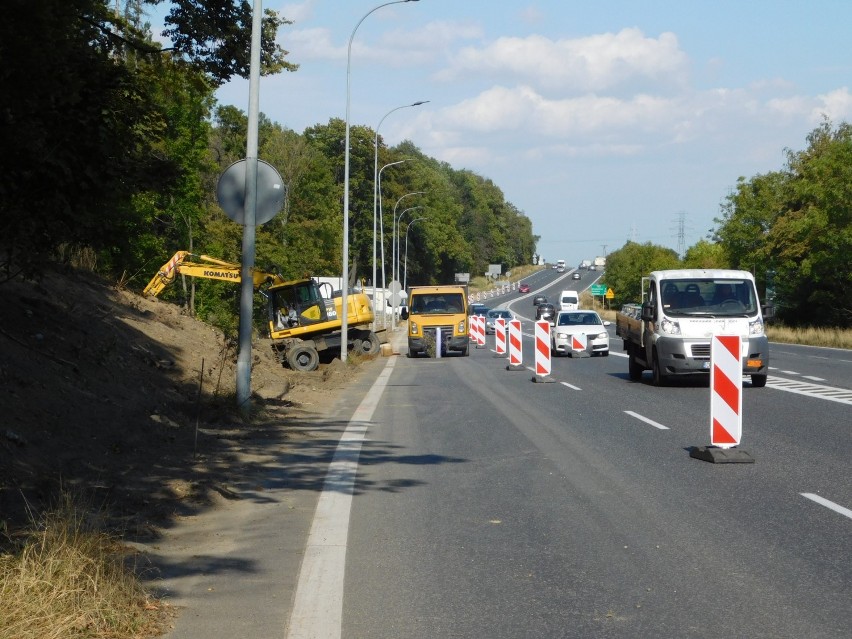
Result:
[
  {"x": 594, "y": 63},
  {"x": 298, "y": 12},
  {"x": 837, "y": 105}
]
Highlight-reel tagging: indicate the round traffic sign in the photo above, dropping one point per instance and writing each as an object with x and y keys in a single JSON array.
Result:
[{"x": 231, "y": 192}]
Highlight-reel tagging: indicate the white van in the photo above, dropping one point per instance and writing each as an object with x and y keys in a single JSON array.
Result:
[{"x": 569, "y": 301}]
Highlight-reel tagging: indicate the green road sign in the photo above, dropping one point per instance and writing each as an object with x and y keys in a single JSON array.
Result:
[{"x": 598, "y": 289}]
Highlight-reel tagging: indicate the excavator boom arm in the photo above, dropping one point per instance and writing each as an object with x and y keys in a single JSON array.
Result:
[{"x": 206, "y": 267}]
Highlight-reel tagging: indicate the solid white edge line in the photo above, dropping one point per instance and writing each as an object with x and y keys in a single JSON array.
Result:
[
  {"x": 646, "y": 420},
  {"x": 571, "y": 386},
  {"x": 828, "y": 504},
  {"x": 318, "y": 602}
]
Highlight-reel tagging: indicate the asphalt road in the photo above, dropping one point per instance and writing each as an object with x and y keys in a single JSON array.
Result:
[
  {"x": 492, "y": 506},
  {"x": 454, "y": 498}
]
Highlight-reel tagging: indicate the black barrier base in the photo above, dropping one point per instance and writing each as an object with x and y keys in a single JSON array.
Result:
[
  {"x": 717, "y": 455},
  {"x": 545, "y": 379},
  {"x": 515, "y": 367}
]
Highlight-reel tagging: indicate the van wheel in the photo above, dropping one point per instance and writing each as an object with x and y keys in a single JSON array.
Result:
[
  {"x": 758, "y": 381},
  {"x": 659, "y": 378}
]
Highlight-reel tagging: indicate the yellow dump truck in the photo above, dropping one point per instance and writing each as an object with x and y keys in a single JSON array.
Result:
[{"x": 437, "y": 319}]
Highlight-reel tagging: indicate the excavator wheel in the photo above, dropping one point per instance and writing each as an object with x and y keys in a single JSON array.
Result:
[
  {"x": 303, "y": 358},
  {"x": 370, "y": 345}
]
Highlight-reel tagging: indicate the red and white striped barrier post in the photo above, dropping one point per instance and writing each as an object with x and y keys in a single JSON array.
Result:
[
  {"x": 726, "y": 391},
  {"x": 500, "y": 336},
  {"x": 516, "y": 347},
  {"x": 480, "y": 331},
  {"x": 726, "y": 402},
  {"x": 542, "y": 352}
]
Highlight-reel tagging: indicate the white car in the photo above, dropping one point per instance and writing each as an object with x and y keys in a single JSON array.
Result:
[
  {"x": 492, "y": 315},
  {"x": 571, "y": 323}
]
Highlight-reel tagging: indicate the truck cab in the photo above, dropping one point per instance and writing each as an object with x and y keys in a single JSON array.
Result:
[
  {"x": 670, "y": 333},
  {"x": 437, "y": 319}
]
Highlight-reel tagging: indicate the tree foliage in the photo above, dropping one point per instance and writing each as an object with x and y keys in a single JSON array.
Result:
[
  {"x": 793, "y": 228},
  {"x": 626, "y": 266}
]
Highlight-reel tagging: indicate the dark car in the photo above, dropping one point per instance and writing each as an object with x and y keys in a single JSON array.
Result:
[
  {"x": 545, "y": 311},
  {"x": 524, "y": 288},
  {"x": 539, "y": 299},
  {"x": 478, "y": 309}
]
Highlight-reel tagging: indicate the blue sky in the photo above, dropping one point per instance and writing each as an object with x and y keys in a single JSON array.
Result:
[{"x": 602, "y": 121}]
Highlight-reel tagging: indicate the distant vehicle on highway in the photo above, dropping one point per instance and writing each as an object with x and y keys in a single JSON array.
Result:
[
  {"x": 575, "y": 276},
  {"x": 569, "y": 323},
  {"x": 493, "y": 315},
  {"x": 545, "y": 311},
  {"x": 523, "y": 288},
  {"x": 478, "y": 309},
  {"x": 539, "y": 299}
]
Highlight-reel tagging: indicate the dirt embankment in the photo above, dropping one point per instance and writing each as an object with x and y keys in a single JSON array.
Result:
[{"x": 128, "y": 402}]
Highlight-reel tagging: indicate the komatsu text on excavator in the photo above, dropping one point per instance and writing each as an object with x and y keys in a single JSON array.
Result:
[{"x": 302, "y": 322}]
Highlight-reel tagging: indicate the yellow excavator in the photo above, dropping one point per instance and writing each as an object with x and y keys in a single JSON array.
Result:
[{"x": 302, "y": 322}]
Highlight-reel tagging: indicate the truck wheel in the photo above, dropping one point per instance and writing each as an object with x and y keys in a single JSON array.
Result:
[
  {"x": 659, "y": 378},
  {"x": 634, "y": 368},
  {"x": 758, "y": 381},
  {"x": 303, "y": 358}
]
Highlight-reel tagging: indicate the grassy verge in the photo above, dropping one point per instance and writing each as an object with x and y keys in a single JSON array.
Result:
[
  {"x": 482, "y": 283},
  {"x": 66, "y": 580},
  {"x": 832, "y": 337}
]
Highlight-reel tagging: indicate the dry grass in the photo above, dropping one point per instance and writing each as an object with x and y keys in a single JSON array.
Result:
[
  {"x": 833, "y": 337},
  {"x": 66, "y": 580},
  {"x": 482, "y": 283}
]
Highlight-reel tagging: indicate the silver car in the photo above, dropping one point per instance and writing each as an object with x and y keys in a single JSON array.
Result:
[
  {"x": 492, "y": 316},
  {"x": 571, "y": 324}
]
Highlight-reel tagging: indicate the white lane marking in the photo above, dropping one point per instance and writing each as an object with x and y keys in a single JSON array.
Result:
[
  {"x": 646, "y": 420},
  {"x": 571, "y": 386},
  {"x": 819, "y": 391},
  {"x": 318, "y": 605},
  {"x": 612, "y": 352},
  {"x": 828, "y": 504},
  {"x": 813, "y": 378}
]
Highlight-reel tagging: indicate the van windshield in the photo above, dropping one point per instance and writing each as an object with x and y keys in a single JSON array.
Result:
[
  {"x": 426, "y": 304},
  {"x": 709, "y": 297}
]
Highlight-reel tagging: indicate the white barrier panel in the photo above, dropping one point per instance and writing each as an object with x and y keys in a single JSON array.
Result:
[
  {"x": 516, "y": 348},
  {"x": 579, "y": 342},
  {"x": 726, "y": 391},
  {"x": 542, "y": 348},
  {"x": 438, "y": 342},
  {"x": 500, "y": 336}
]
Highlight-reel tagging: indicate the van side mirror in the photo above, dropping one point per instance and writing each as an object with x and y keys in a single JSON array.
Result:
[
  {"x": 403, "y": 314},
  {"x": 648, "y": 313}
]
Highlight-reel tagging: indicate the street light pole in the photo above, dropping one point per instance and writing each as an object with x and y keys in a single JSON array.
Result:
[
  {"x": 377, "y": 192},
  {"x": 381, "y": 242},
  {"x": 396, "y": 234},
  {"x": 405, "y": 259},
  {"x": 394, "y": 274},
  {"x": 344, "y": 327}
]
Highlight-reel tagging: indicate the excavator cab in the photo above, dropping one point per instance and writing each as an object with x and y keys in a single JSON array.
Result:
[{"x": 297, "y": 304}]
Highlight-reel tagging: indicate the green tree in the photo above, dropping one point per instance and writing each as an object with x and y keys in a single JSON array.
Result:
[
  {"x": 810, "y": 244},
  {"x": 626, "y": 266},
  {"x": 704, "y": 254}
]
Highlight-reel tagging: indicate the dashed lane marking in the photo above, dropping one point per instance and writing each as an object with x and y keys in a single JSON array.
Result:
[
  {"x": 828, "y": 504},
  {"x": 642, "y": 418}
]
